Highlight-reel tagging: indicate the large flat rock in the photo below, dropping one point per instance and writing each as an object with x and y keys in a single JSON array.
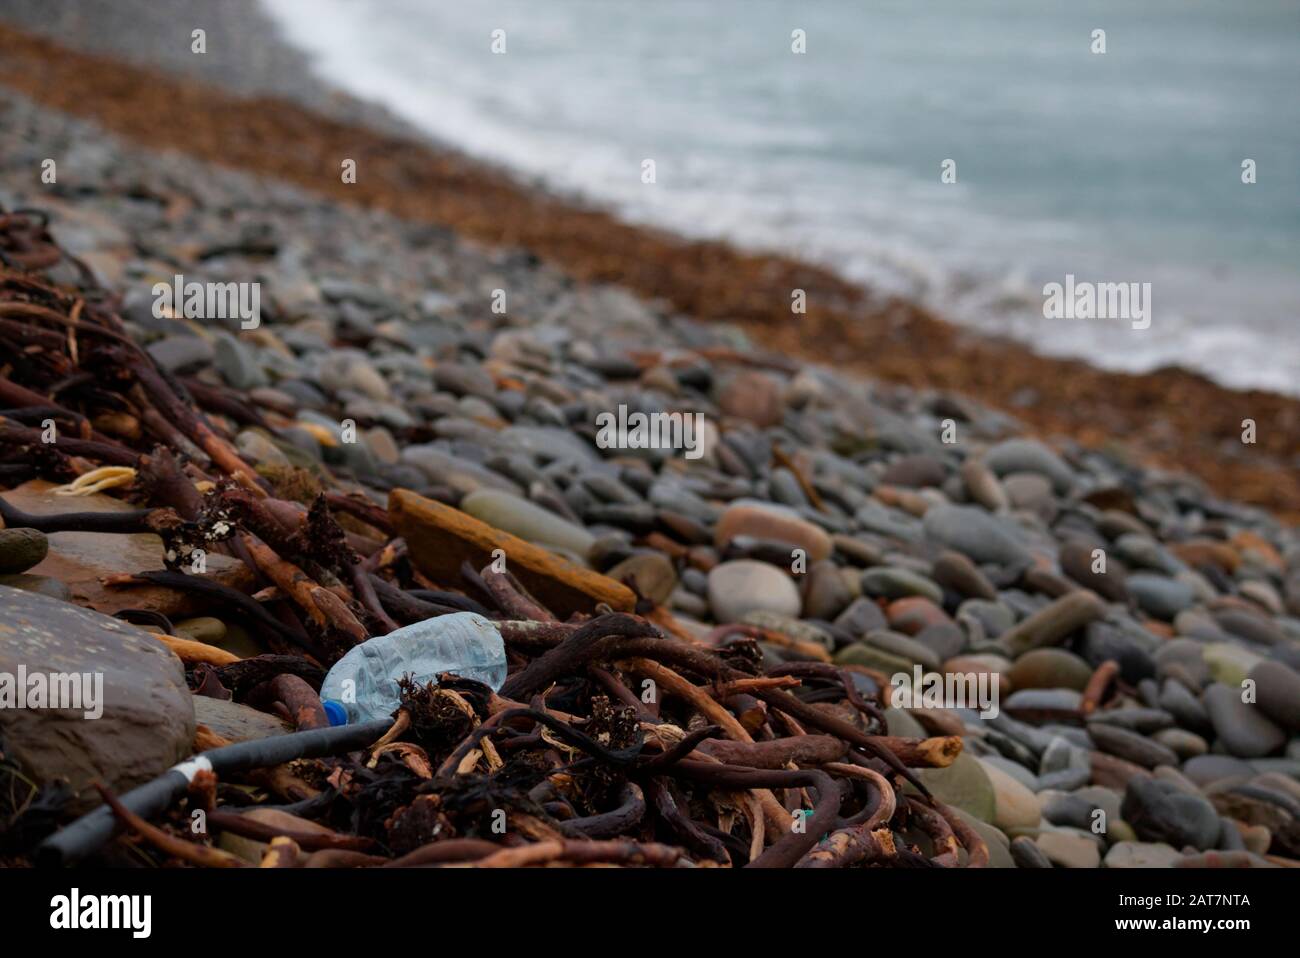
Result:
[
  {"x": 147, "y": 719},
  {"x": 80, "y": 559}
]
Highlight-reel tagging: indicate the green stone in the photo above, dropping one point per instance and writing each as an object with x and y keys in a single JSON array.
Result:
[{"x": 964, "y": 784}]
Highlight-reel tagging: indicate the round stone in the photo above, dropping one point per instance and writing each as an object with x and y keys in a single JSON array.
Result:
[
  {"x": 1160, "y": 811},
  {"x": 1029, "y": 455},
  {"x": 1014, "y": 805},
  {"x": 21, "y": 549},
  {"x": 1050, "y": 669},
  {"x": 1159, "y": 595},
  {"x": 1277, "y": 688},
  {"x": 746, "y": 585},
  {"x": 1242, "y": 728},
  {"x": 976, "y": 534},
  {"x": 774, "y": 523}
]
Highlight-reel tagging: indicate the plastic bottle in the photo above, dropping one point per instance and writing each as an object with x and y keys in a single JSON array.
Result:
[{"x": 363, "y": 684}]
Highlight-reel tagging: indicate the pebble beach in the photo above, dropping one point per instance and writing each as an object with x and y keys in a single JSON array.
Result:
[{"x": 438, "y": 397}]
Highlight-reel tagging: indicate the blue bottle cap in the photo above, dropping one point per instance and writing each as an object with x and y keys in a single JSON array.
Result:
[{"x": 335, "y": 712}]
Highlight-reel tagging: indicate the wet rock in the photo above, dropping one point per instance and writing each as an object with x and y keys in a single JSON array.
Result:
[
  {"x": 530, "y": 522},
  {"x": 1014, "y": 805},
  {"x": 38, "y": 584},
  {"x": 862, "y": 616},
  {"x": 178, "y": 353},
  {"x": 1069, "y": 851},
  {"x": 649, "y": 574},
  {"x": 1131, "y": 746},
  {"x": 954, "y": 571},
  {"x": 1027, "y": 854},
  {"x": 964, "y": 784},
  {"x": 80, "y": 560},
  {"x": 1079, "y": 562},
  {"x": 914, "y": 471},
  {"x": 1103, "y": 641},
  {"x": 752, "y": 396}
]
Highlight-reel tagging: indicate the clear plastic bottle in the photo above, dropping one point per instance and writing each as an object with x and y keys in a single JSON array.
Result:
[{"x": 363, "y": 684}]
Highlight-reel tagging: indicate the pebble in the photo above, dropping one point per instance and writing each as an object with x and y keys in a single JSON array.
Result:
[
  {"x": 1162, "y": 812},
  {"x": 1277, "y": 689},
  {"x": 983, "y": 486},
  {"x": 894, "y": 583},
  {"x": 236, "y": 722},
  {"x": 773, "y": 522},
  {"x": 1131, "y": 746},
  {"x": 1027, "y": 854},
  {"x": 21, "y": 549},
  {"x": 528, "y": 521},
  {"x": 1162, "y": 597},
  {"x": 201, "y": 629},
  {"x": 742, "y": 586},
  {"x": 915, "y": 471},
  {"x": 1029, "y": 455},
  {"x": 976, "y": 534},
  {"x": 1243, "y": 729},
  {"x": 1183, "y": 743},
  {"x": 1054, "y": 622},
  {"x": 1069, "y": 851},
  {"x": 826, "y": 591},
  {"x": 1050, "y": 669}
]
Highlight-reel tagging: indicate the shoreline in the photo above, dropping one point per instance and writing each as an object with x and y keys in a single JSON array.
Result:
[{"x": 1170, "y": 417}]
